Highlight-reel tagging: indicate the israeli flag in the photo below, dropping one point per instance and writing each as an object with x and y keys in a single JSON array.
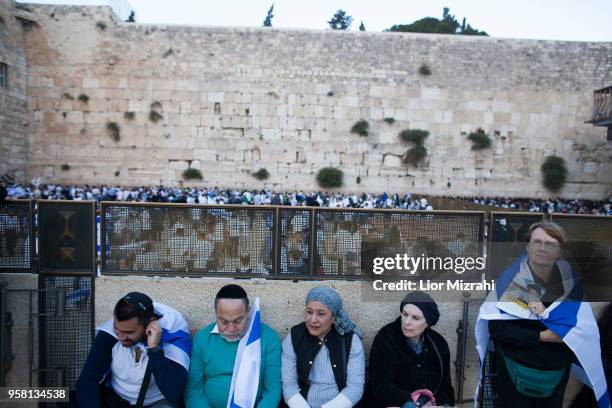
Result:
[
  {"x": 572, "y": 320},
  {"x": 245, "y": 380}
]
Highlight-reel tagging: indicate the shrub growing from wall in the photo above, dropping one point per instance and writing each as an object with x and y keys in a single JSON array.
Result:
[
  {"x": 415, "y": 155},
  {"x": 554, "y": 173},
  {"x": 261, "y": 174},
  {"x": 361, "y": 127},
  {"x": 416, "y": 136},
  {"x": 480, "y": 140},
  {"x": 114, "y": 130},
  {"x": 192, "y": 174},
  {"x": 418, "y": 152},
  {"x": 330, "y": 177}
]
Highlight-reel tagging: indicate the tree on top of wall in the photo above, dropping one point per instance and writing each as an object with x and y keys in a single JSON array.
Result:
[
  {"x": 268, "y": 21},
  {"x": 340, "y": 21},
  {"x": 447, "y": 25}
]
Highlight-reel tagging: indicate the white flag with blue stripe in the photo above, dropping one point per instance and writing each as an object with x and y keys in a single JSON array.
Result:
[
  {"x": 245, "y": 379},
  {"x": 571, "y": 319},
  {"x": 175, "y": 338}
]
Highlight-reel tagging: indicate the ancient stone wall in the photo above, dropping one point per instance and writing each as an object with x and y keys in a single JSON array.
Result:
[
  {"x": 13, "y": 99},
  {"x": 137, "y": 104}
]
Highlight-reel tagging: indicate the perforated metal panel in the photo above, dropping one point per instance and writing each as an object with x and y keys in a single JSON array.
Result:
[
  {"x": 348, "y": 241},
  {"x": 67, "y": 327},
  {"x": 589, "y": 249},
  {"x": 584, "y": 228},
  {"x": 489, "y": 382},
  {"x": 16, "y": 236},
  {"x": 186, "y": 240},
  {"x": 295, "y": 242},
  {"x": 508, "y": 239},
  {"x": 468, "y": 357}
]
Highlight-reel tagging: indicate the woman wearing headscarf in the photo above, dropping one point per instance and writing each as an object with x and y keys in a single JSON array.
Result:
[
  {"x": 323, "y": 363},
  {"x": 409, "y": 361}
]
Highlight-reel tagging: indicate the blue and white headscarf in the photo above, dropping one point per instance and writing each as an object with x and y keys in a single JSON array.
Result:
[{"x": 332, "y": 300}]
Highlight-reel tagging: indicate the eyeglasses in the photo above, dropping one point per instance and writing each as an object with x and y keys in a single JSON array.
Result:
[{"x": 538, "y": 243}]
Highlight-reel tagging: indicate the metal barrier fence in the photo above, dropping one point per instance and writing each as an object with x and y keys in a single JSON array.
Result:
[
  {"x": 239, "y": 241},
  {"x": 277, "y": 241},
  {"x": 507, "y": 239},
  {"x": 466, "y": 350},
  {"x": 16, "y": 236},
  {"x": 186, "y": 240},
  {"x": 59, "y": 312},
  {"x": 585, "y": 228},
  {"x": 347, "y": 241},
  {"x": 67, "y": 328}
]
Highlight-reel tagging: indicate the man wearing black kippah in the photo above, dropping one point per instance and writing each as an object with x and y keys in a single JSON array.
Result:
[
  {"x": 138, "y": 358},
  {"x": 215, "y": 349}
]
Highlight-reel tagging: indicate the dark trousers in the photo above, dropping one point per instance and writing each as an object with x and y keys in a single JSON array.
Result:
[
  {"x": 509, "y": 397},
  {"x": 110, "y": 399}
]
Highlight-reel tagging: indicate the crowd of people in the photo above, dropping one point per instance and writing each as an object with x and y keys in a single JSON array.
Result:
[
  {"x": 193, "y": 195},
  {"x": 216, "y": 196},
  {"x": 237, "y": 360},
  {"x": 552, "y": 205}
]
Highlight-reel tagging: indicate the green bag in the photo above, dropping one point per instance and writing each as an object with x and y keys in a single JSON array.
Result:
[{"x": 533, "y": 382}]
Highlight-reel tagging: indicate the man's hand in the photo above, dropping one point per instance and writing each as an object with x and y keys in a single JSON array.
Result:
[
  {"x": 548, "y": 336},
  {"x": 154, "y": 333}
]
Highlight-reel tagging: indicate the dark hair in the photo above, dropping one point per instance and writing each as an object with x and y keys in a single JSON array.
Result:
[
  {"x": 244, "y": 300},
  {"x": 232, "y": 291},
  {"x": 124, "y": 310}
]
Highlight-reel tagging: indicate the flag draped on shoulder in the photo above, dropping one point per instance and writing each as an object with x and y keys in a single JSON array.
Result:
[
  {"x": 245, "y": 379},
  {"x": 569, "y": 317},
  {"x": 175, "y": 338}
]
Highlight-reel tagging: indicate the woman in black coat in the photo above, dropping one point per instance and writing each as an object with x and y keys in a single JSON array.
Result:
[{"x": 407, "y": 355}]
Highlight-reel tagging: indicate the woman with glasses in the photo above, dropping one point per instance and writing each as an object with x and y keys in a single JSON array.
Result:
[{"x": 532, "y": 362}]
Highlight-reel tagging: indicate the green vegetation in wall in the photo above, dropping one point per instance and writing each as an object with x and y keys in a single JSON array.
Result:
[
  {"x": 416, "y": 136},
  {"x": 154, "y": 114},
  {"x": 361, "y": 127},
  {"x": 554, "y": 173},
  {"x": 261, "y": 174},
  {"x": 424, "y": 70},
  {"x": 330, "y": 177},
  {"x": 114, "y": 130},
  {"x": 192, "y": 174},
  {"x": 417, "y": 153},
  {"x": 480, "y": 140}
]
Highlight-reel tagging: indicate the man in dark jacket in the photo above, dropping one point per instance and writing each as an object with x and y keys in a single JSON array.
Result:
[{"x": 143, "y": 337}]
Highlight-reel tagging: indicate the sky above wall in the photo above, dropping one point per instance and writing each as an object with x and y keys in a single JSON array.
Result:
[{"x": 575, "y": 20}]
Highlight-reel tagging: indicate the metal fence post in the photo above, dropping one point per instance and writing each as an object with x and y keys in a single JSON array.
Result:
[{"x": 3, "y": 334}]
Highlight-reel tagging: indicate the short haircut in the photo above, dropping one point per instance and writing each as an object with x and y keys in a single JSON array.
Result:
[
  {"x": 552, "y": 229},
  {"x": 126, "y": 310},
  {"x": 232, "y": 291}
]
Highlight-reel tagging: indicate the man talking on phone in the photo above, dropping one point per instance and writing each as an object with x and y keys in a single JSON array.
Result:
[{"x": 140, "y": 358}]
